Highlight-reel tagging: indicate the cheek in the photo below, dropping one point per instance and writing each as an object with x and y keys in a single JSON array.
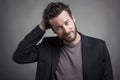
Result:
[{"x": 72, "y": 26}]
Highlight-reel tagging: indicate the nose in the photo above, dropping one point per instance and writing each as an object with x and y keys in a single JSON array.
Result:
[{"x": 66, "y": 29}]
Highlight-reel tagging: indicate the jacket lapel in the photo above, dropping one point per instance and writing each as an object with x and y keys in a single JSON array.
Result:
[
  {"x": 56, "y": 56},
  {"x": 86, "y": 52}
]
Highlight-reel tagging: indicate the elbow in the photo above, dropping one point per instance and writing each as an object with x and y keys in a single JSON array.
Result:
[{"x": 17, "y": 60}]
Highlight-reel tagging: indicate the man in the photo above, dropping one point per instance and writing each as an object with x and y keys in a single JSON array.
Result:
[{"x": 68, "y": 56}]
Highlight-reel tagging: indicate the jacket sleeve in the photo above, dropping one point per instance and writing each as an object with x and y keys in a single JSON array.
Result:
[
  {"x": 107, "y": 66},
  {"x": 27, "y": 51}
]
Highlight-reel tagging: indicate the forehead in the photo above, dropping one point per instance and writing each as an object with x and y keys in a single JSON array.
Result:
[{"x": 60, "y": 19}]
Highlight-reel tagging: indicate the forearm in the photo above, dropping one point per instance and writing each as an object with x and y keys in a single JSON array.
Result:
[{"x": 26, "y": 51}]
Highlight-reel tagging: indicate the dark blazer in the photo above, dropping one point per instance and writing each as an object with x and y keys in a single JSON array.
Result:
[{"x": 95, "y": 57}]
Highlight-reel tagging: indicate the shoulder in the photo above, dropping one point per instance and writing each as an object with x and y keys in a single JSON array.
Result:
[
  {"x": 52, "y": 40},
  {"x": 92, "y": 40}
]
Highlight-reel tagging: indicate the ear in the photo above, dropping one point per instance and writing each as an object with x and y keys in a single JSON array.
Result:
[{"x": 73, "y": 18}]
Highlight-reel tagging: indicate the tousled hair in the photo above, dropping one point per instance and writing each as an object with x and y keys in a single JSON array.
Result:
[{"x": 53, "y": 9}]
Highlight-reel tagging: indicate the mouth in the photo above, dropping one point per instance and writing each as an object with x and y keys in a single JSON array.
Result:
[{"x": 68, "y": 35}]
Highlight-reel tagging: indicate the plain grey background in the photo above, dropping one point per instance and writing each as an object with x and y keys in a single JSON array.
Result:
[{"x": 96, "y": 18}]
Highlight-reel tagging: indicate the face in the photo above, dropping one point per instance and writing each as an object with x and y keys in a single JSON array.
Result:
[{"x": 64, "y": 26}]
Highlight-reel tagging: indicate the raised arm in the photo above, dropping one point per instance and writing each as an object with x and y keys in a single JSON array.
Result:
[{"x": 27, "y": 50}]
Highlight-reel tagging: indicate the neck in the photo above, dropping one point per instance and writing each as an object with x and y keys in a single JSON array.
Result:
[{"x": 78, "y": 38}]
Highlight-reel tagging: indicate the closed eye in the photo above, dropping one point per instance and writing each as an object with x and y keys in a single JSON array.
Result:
[
  {"x": 58, "y": 27},
  {"x": 67, "y": 22}
]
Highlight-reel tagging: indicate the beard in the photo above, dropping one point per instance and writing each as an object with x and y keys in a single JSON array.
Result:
[{"x": 70, "y": 39}]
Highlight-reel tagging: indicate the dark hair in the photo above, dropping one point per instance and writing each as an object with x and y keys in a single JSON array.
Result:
[{"x": 53, "y": 9}]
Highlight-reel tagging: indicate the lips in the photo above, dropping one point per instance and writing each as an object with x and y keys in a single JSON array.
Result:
[{"x": 68, "y": 35}]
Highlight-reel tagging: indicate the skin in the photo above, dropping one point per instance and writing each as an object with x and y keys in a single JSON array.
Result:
[{"x": 64, "y": 27}]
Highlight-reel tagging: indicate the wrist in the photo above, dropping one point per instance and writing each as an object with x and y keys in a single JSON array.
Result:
[{"x": 42, "y": 28}]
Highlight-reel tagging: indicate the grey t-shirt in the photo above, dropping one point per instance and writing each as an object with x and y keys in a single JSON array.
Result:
[{"x": 70, "y": 63}]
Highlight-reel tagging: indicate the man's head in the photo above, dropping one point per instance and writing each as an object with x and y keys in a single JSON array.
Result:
[
  {"x": 53, "y": 9},
  {"x": 58, "y": 15}
]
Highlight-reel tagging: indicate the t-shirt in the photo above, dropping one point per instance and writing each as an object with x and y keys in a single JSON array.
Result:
[{"x": 70, "y": 63}]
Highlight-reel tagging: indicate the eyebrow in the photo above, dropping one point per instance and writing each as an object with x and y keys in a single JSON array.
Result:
[
  {"x": 67, "y": 20},
  {"x": 64, "y": 23}
]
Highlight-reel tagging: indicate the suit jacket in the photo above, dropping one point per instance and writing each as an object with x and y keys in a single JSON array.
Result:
[{"x": 95, "y": 57}]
